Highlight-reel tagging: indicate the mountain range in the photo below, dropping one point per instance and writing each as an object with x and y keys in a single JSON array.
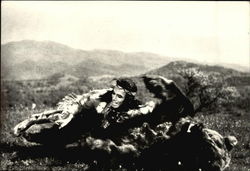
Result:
[{"x": 31, "y": 60}]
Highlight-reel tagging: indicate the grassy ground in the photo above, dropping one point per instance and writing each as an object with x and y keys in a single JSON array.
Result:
[
  {"x": 14, "y": 156},
  {"x": 239, "y": 126}
]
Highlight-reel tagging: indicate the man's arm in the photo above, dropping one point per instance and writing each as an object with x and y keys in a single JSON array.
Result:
[
  {"x": 143, "y": 109},
  {"x": 74, "y": 104}
]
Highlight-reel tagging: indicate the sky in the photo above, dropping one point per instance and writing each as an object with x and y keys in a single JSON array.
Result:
[{"x": 216, "y": 32}]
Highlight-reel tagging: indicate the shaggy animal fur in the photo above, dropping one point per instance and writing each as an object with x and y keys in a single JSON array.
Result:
[{"x": 192, "y": 147}]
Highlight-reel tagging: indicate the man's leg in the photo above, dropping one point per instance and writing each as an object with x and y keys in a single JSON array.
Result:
[{"x": 43, "y": 133}]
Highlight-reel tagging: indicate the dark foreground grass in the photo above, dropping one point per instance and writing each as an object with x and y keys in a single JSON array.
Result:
[{"x": 17, "y": 155}]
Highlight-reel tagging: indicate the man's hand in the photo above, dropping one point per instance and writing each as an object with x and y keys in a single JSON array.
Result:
[
  {"x": 64, "y": 120},
  {"x": 149, "y": 107}
]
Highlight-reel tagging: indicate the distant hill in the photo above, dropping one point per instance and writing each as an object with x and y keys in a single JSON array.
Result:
[
  {"x": 30, "y": 59},
  {"x": 233, "y": 77},
  {"x": 177, "y": 65}
]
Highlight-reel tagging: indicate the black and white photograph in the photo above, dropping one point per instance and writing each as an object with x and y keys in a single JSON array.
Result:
[{"x": 125, "y": 85}]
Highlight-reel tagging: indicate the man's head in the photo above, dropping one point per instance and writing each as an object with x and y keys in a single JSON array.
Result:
[{"x": 124, "y": 89}]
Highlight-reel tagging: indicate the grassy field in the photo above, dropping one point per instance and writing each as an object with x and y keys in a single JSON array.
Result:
[
  {"x": 239, "y": 126},
  {"x": 18, "y": 97},
  {"x": 14, "y": 156}
]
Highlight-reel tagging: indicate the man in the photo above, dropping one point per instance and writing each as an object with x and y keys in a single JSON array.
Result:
[{"x": 76, "y": 114}]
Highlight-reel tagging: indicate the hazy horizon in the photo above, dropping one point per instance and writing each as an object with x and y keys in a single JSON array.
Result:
[
  {"x": 210, "y": 32},
  {"x": 172, "y": 57}
]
